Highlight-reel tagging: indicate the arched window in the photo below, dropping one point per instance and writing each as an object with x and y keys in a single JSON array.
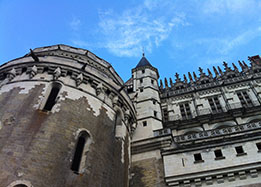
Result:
[
  {"x": 80, "y": 149},
  {"x": 51, "y": 100},
  {"x": 20, "y": 183}
]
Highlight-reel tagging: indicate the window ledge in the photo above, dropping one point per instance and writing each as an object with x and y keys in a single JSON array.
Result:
[
  {"x": 220, "y": 158},
  {"x": 198, "y": 161},
  {"x": 241, "y": 154}
]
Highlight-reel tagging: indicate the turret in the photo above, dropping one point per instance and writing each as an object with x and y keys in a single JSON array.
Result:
[{"x": 146, "y": 88}]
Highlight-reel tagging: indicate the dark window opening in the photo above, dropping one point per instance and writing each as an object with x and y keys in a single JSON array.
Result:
[
  {"x": 204, "y": 81},
  {"x": 144, "y": 123},
  {"x": 215, "y": 104},
  {"x": 240, "y": 151},
  {"x": 218, "y": 154},
  {"x": 154, "y": 102},
  {"x": 130, "y": 90},
  {"x": 78, "y": 154},
  {"x": 143, "y": 71},
  {"x": 24, "y": 69},
  {"x": 198, "y": 158},
  {"x": 52, "y": 97},
  {"x": 20, "y": 185},
  {"x": 258, "y": 145},
  {"x": 155, "y": 113},
  {"x": 2, "y": 76},
  {"x": 108, "y": 92},
  {"x": 165, "y": 115},
  {"x": 69, "y": 73},
  {"x": 152, "y": 81},
  {"x": 141, "y": 80},
  {"x": 244, "y": 99},
  {"x": 45, "y": 69},
  {"x": 185, "y": 111},
  {"x": 141, "y": 89}
]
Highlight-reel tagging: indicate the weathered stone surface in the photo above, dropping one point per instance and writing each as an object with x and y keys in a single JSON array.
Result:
[
  {"x": 41, "y": 145},
  {"x": 147, "y": 173}
]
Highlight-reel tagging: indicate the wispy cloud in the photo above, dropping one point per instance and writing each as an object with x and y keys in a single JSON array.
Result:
[
  {"x": 224, "y": 46},
  {"x": 75, "y": 24},
  {"x": 127, "y": 33},
  {"x": 232, "y": 6}
]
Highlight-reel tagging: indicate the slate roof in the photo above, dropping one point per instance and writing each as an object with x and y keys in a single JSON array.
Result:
[{"x": 143, "y": 62}]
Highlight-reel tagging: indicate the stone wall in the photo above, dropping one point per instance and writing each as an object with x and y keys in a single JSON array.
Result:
[{"x": 38, "y": 146}]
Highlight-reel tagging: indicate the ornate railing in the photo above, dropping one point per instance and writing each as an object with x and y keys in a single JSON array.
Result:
[
  {"x": 217, "y": 132},
  {"x": 162, "y": 132},
  {"x": 240, "y": 105}
]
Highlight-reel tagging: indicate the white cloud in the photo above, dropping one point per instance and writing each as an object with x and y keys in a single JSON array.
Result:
[
  {"x": 75, "y": 24},
  {"x": 127, "y": 33},
  {"x": 224, "y": 46},
  {"x": 231, "y": 6}
]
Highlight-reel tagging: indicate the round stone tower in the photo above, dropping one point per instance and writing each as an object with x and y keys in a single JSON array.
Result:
[{"x": 64, "y": 121}]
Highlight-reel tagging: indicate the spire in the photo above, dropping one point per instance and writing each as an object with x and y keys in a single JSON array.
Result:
[
  {"x": 215, "y": 71},
  {"x": 170, "y": 82},
  {"x": 143, "y": 62},
  {"x": 209, "y": 73},
  {"x": 185, "y": 78},
  {"x": 220, "y": 71},
  {"x": 245, "y": 64},
  {"x": 177, "y": 77},
  {"x": 161, "y": 84},
  {"x": 235, "y": 67},
  {"x": 201, "y": 73},
  {"x": 166, "y": 83},
  {"x": 241, "y": 65},
  {"x": 195, "y": 76},
  {"x": 190, "y": 77}
]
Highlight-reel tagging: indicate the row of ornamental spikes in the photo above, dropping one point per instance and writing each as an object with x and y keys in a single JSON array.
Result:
[{"x": 218, "y": 73}]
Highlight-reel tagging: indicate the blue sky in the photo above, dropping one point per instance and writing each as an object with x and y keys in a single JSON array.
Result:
[{"x": 177, "y": 35}]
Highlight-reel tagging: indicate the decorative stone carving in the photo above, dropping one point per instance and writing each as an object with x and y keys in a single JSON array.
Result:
[
  {"x": 33, "y": 72},
  {"x": 115, "y": 101},
  {"x": 127, "y": 116},
  {"x": 99, "y": 89},
  {"x": 79, "y": 79},
  {"x": 11, "y": 74},
  {"x": 57, "y": 73}
]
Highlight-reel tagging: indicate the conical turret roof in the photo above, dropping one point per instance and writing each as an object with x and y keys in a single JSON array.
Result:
[{"x": 143, "y": 62}]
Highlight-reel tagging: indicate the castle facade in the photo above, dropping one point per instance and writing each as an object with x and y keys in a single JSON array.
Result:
[{"x": 67, "y": 119}]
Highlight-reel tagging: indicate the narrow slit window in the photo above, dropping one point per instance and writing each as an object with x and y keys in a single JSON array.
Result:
[
  {"x": 51, "y": 100},
  {"x": 78, "y": 153},
  {"x": 144, "y": 123},
  {"x": 155, "y": 114},
  {"x": 20, "y": 185}
]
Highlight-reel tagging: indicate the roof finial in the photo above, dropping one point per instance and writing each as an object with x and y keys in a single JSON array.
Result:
[{"x": 143, "y": 53}]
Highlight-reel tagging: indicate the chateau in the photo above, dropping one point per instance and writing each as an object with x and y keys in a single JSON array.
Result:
[{"x": 67, "y": 119}]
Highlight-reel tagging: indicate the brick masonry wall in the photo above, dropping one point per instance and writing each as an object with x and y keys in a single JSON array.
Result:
[{"x": 38, "y": 147}]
